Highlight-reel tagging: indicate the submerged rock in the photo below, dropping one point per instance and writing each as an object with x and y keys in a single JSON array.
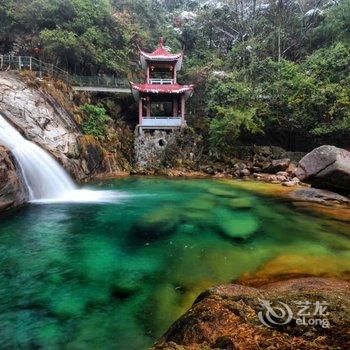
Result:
[
  {"x": 238, "y": 225},
  {"x": 300, "y": 264},
  {"x": 12, "y": 189},
  {"x": 241, "y": 203},
  {"x": 222, "y": 193},
  {"x": 326, "y": 167},
  {"x": 226, "y": 317}
]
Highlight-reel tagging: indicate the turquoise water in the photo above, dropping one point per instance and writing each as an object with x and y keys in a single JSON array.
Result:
[{"x": 116, "y": 275}]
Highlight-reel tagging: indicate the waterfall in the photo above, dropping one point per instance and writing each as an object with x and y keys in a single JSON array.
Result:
[{"x": 45, "y": 179}]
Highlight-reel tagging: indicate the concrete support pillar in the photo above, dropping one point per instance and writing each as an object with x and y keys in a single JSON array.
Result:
[
  {"x": 140, "y": 111},
  {"x": 183, "y": 122}
]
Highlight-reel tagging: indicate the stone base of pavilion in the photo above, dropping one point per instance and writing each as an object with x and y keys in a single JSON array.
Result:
[{"x": 150, "y": 146}]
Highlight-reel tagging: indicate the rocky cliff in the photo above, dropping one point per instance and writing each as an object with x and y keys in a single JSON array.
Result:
[
  {"x": 43, "y": 113},
  {"x": 12, "y": 189}
]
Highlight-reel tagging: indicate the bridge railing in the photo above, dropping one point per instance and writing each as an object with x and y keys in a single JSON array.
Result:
[
  {"x": 101, "y": 80},
  {"x": 31, "y": 63},
  {"x": 9, "y": 62}
]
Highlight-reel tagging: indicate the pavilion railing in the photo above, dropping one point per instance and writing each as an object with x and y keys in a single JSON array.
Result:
[
  {"x": 146, "y": 117},
  {"x": 10, "y": 62},
  {"x": 161, "y": 81},
  {"x": 161, "y": 121}
]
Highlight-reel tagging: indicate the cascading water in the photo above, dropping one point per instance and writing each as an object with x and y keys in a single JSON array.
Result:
[
  {"x": 45, "y": 179},
  {"x": 42, "y": 174}
]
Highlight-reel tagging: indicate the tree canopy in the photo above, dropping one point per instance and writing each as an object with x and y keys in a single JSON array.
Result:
[{"x": 265, "y": 71}]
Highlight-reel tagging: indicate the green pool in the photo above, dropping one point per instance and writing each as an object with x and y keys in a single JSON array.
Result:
[{"x": 116, "y": 275}]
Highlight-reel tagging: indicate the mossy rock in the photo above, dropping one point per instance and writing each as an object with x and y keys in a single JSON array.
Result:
[
  {"x": 201, "y": 203},
  {"x": 240, "y": 203},
  {"x": 222, "y": 193},
  {"x": 238, "y": 225},
  {"x": 160, "y": 219}
]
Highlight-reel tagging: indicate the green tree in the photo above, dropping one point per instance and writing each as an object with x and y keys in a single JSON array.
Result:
[
  {"x": 231, "y": 110},
  {"x": 96, "y": 122}
]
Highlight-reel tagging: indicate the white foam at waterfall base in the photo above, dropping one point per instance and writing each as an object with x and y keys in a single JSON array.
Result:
[
  {"x": 46, "y": 180},
  {"x": 85, "y": 196}
]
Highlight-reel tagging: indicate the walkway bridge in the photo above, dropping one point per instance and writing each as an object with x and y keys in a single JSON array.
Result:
[{"x": 102, "y": 83}]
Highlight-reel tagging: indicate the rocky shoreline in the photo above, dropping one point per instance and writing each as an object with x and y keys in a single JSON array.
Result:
[{"x": 230, "y": 317}]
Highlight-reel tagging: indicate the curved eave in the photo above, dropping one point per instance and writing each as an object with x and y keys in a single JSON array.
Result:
[
  {"x": 136, "y": 89},
  {"x": 146, "y": 57}
]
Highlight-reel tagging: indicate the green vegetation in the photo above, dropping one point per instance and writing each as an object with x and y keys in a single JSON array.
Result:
[
  {"x": 96, "y": 122},
  {"x": 275, "y": 75},
  {"x": 271, "y": 72}
]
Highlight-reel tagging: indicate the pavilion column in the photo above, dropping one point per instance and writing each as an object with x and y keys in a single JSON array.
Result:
[
  {"x": 174, "y": 75},
  {"x": 148, "y": 108},
  {"x": 140, "y": 111},
  {"x": 182, "y": 109},
  {"x": 147, "y": 74},
  {"x": 175, "y": 107}
]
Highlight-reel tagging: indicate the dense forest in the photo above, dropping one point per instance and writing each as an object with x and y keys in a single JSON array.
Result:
[{"x": 266, "y": 72}]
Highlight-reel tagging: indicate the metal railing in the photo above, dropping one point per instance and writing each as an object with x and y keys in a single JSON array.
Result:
[
  {"x": 101, "y": 81},
  {"x": 9, "y": 62},
  {"x": 161, "y": 81}
]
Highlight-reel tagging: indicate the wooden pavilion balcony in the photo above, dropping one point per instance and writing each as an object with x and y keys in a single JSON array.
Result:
[{"x": 161, "y": 122}]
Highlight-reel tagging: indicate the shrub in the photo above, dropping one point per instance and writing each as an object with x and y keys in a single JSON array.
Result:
[
  {"x": 226, "y": 127},
  {"x": 96, "y": 122}
]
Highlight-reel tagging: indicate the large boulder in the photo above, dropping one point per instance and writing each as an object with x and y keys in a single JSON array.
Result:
[
  {"x": 326, "y": 167},
  {"x": 230, "y": 317},
  {"x": 12, "y": 189}
]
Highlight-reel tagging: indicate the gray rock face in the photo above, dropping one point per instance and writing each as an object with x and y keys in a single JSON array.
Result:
[
  {"x": 12, "y": 189},
  {"x": 326, "y": 167},
  {"x": 318, "y": 196},
  {"x": 41, "y": 120}
]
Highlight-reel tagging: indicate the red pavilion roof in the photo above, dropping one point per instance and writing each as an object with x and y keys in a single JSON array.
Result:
[
  {"x": 161, "y": 54},
  {"x": 161, "y": 89}
]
